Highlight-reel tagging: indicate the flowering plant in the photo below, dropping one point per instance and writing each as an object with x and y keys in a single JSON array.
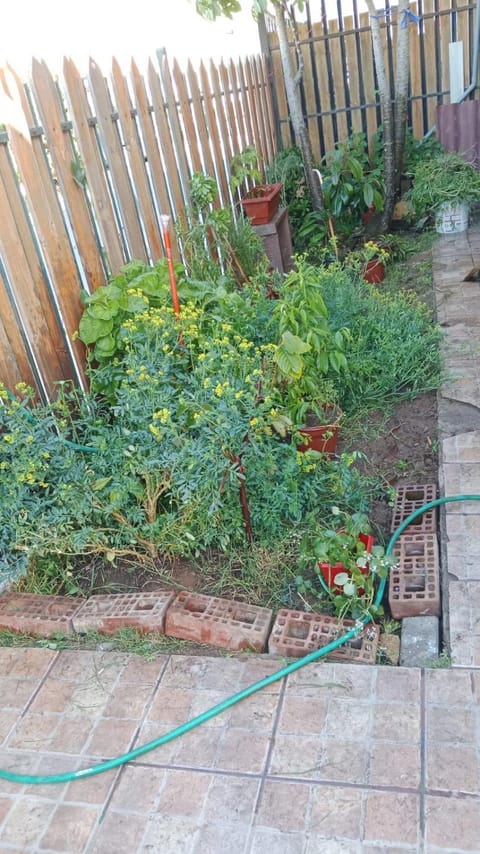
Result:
[{"x": 350, "y": 562}]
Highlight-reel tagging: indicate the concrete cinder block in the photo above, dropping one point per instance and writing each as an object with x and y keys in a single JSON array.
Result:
[
  {"x": 219, "y": 622},
  {"x": 37, "y": 614},
  {"x": 420, "y": 641},
  {"x": 108, "y": 613}
]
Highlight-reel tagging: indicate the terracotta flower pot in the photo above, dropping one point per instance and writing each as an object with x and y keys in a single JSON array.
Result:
[
  {"x": 261, "y": 204},
  {"x": 322, "y": 437},
  {"x": 330, "y": 571},
  {"x": 374, "y": 271}
]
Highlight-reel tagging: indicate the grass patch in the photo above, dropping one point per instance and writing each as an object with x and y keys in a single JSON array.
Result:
[{"x": 127, "y": 640}]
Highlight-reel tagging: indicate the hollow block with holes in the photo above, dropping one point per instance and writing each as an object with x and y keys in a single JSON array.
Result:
[
  {"x": 108, "y": 613},
  {"x": 414, "y": 585},
  {"x": 411, "y": 497},
  {"x": 219, "y": 622},
  {"x": 297, "y": 633},
  {"x": 37, "y": 614}
]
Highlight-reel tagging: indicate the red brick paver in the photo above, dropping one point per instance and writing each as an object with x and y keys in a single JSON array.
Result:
[
  {"x": 108, "y": 613},
  {"x": 36, "y": 614},
  {"x": 414, "y": 584},
  {"x": 297, "y": 633},
  {"x": 220, "y": 622}
]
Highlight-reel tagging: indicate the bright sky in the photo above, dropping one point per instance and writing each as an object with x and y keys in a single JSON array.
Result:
[{"x": 52, "y": 29}]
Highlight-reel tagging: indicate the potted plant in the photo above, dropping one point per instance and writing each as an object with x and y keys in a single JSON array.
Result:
[
  {"x": 261, "y": 201},
  {"x": 308, "y": 348},
  {"x": 370, "y": 260},
  {"x": 444, "y": 186},
  {"x": 346, "y": 563}
]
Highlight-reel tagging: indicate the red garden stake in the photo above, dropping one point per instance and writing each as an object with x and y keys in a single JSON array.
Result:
[{"x": 164, "y": 220}]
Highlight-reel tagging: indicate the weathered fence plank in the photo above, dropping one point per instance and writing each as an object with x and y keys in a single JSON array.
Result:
[
  {"x": 152, "y": 150},
  {"x": 132, "y": 147},
  {"x": 64, "y": 159},
  {"x": 117, "y": 167},
  {"x": 84, "y": 126}
]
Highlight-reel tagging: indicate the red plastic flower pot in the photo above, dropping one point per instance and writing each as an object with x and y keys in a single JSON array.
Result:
[
  {"x": 374, "y": 271},
  {"x": 330, "y": 571}
]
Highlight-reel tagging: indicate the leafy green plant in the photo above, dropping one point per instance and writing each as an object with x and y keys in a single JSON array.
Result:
[
  {"x": 136, "y": 287},
  {"x": 287, "y": 169},
  {"x": 213, "y": 241},
  {"x": 393, "y": 351},
  {"x": 444, "y": 179},
  {"x": 245, "y": 166},
  {"x": 308, "y": 345},
  {"x": 350, "y": 185},
  {"x": 352, "y": 568}
]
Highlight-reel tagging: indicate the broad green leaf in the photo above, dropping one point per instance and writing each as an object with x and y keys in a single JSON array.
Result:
[
  {"x": 101, "y": 483},
  {"x": 350, "y": 588},
  {"x": 105, "y": 347},
  {"x": 341, "y": 579},
  {"x": 92, "y": 328},
  {"x": 368, "y": 194},
  {"x": 293, "y": 344}
]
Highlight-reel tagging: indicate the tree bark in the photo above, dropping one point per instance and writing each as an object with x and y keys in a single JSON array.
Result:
[
  {"x": 387, "y": 118},
  {"x": 292, "y": 83},
  {"x": 401, "y": 89}
]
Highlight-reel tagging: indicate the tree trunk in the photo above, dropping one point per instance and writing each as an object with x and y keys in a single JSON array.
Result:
[
  {"x": 292, "y": 82},
  {"x": 401, "y": 89},
  {"x": 387, "y": 118}
]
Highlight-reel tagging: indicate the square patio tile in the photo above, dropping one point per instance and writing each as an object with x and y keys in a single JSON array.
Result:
[
  {"x": 119, "y": 832},
  {"x": 70, "y": 828},
  {"x": 393, "y": 764},
  {"x": 283, "y": 806},
  {"x": 453, "y": 768},
  {"x": 392, "y": 817},
  {"x": 452, "y": 823},
  {"x": 336, "y": 813},
  {"x": 276, "y": 842},
  {"x": 220, "y": 838},
  {"x": 183, "y": 793},
  {"x": 26, "y": 822},
  {"x": 138, "y": 788}
]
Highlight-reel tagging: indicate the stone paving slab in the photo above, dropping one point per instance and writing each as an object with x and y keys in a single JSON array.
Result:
[
  {"x": 457, "y": 310},
  {"x": 335, "y": 758}
]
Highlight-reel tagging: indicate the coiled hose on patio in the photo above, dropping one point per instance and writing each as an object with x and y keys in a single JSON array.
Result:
[{"x": 34, "y": 779}]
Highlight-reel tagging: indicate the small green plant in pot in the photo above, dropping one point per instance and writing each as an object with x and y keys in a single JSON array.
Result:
[
  {"x": 370, "y": 260},
  {"x": 307, "y": 350},
  {"x": 261, "y": 201},
  {"x": 445, "y": 185},
  {"x": 346, "y": 563}
]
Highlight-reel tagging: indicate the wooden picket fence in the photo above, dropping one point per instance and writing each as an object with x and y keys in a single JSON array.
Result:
[
  {"x": 88, "y": 164},
  {"x": 87, "y": 167},
  {"x": 339, "y": 87}
]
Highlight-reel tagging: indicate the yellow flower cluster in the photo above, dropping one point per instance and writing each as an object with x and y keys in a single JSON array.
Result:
[
  {"x": 221, "y": 388},
  {"x": 162, "y": 415}
]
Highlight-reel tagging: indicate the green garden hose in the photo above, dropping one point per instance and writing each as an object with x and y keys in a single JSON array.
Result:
[{"x": 241, "y": 695}]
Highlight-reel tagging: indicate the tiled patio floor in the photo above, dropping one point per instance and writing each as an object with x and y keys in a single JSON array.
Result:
[{"x": 337, "y": 758}]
